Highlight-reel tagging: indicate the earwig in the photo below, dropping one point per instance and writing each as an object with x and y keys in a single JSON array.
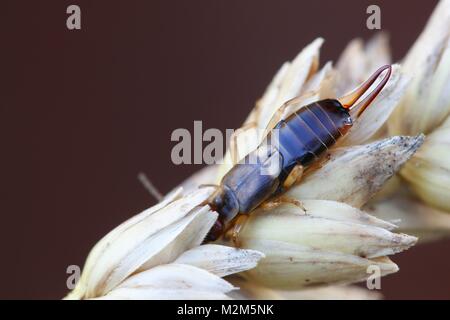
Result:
[{"x": 294, "y": 144}]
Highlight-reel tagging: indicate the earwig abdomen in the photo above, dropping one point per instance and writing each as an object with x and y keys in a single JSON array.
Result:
[
  {"x": 306, "y": 134},
  {"x": 301, "y": 138}
]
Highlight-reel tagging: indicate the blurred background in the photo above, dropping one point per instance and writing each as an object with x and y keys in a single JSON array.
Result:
[{"x": 83, "y": 112}]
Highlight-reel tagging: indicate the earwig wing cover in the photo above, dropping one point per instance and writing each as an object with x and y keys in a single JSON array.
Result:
[{"x": 246, "y": 140}]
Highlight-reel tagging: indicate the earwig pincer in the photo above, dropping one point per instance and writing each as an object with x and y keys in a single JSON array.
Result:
[{"x": 291, "y": 146}]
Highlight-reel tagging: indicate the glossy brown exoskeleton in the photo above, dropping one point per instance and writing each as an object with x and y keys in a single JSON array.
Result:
[{"x": 291, "y": 146}]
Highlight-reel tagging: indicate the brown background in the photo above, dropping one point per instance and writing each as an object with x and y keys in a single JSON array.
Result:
[{"x": 83, "y": 112}]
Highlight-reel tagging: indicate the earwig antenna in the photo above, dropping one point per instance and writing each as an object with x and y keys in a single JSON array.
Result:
[{"x": 348, "y": 101}]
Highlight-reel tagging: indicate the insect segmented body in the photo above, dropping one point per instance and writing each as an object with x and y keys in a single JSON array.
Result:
[{"x": 291, "y": 146}]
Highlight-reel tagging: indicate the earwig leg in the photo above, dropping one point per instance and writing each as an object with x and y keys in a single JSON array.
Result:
[
  {"x": 233, "y": 232},
  {"x": 294, "y": 176},
  {"x": 316, "y": 165},
  {"x": 234, "y": 148},
  {"x": 269, "y": 205}
]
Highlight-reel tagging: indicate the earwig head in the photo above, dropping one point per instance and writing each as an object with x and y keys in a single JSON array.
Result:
[
  {"x": 349, "y": 101},
  {"x": 216, "y": 231},
  {"x": 225, "y": 203}
]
